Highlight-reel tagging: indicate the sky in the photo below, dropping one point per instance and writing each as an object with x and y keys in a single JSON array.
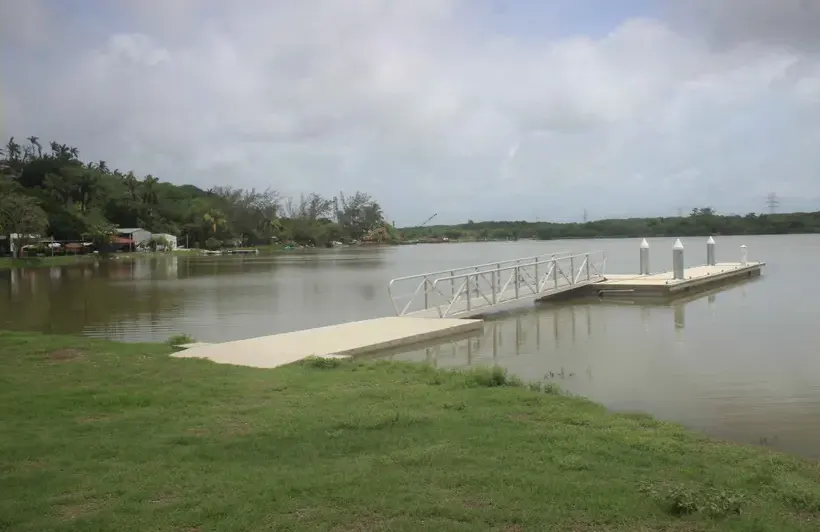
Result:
[{"x": 479, "y": 109}]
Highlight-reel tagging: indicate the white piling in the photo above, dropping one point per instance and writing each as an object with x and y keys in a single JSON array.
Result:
[
  {"x": 744, "y": 256},
  {"x": 677, "y": 260},
  {"x": 710, "y": 252},
  {"x": 644, "y": 257}
]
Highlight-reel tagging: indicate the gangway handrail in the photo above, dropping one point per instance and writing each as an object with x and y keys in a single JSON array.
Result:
[
  {"x": 573, "y": 279},
  {"x": 450, "y": 270},
  {"x": 424, "y": 277}
]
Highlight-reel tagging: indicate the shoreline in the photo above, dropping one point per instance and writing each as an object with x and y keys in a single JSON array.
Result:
[
  {"x": 7, "y": 263},
  {"x": 355, "y": 445}
]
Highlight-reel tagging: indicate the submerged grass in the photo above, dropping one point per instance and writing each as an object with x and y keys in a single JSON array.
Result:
[{"x": 106, "y": 436}]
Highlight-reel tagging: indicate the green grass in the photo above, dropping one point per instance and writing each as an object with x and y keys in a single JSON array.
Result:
[
  {"x": 7, "y": 263},
  {"x": 105, "y": 436}
]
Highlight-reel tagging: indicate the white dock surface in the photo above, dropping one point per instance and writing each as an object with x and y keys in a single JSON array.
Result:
[
  {"x": 346, "y": 339},
  {"x": 689, "y": 274}
]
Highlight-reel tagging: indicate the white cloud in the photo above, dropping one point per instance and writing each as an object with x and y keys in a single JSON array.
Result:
[{"x": 424, "y": 106}]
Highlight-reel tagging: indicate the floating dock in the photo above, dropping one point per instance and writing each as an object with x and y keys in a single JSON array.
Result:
[
  {"x": 436, "y": 303},
  {"x": 335, "y": 341},
  {"x": 665, "y": 285}
]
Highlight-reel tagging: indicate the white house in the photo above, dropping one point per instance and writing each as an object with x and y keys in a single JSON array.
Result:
[
  {"x": 136, "y": 235},
  {"x": 171, "y": 239}
]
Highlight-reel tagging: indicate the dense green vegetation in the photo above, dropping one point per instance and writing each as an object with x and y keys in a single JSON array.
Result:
[
  {"x": 699, "y": 222},
  {"x": 52, "y": 192},
  {"x": 105, "y": 436}
]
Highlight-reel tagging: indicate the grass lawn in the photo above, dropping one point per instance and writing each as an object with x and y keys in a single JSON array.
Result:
[
  {"x": 61, "y": 260},
  {"x": 106, "y": 436},
  {"x": 7, "y": 263}
]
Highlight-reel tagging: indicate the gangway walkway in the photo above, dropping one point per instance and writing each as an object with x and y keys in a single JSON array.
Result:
[{"x": 484, "y": 288}]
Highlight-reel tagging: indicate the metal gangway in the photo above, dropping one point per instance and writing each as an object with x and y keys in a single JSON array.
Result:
[{"x": 485, "y": 288}]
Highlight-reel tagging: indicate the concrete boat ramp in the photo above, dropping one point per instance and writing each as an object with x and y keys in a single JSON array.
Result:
[{"x": 435, "y": 305}]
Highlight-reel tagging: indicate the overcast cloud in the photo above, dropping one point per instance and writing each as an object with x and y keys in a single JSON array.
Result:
[{"x": 479, "y": 109}]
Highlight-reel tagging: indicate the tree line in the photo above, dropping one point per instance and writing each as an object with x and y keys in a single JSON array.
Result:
[
  {"x": 49, "y": 190},
  {"x": 700, "y": 221}
]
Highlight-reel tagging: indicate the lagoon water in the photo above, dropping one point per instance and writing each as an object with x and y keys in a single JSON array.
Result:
[{"x": 741, "y": 363}]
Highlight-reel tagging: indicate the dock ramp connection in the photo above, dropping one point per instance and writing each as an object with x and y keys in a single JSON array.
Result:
[{"x": 480, "y": 289}]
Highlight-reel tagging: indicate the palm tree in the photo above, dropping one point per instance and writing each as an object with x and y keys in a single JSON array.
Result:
[
  {"x": 35, "y": 142},
  {"x": 214, "y": 219},
  {"x": 149, "y": 192},
  {"x": 132, "y": 184},
  {"x": 12, "y": 150},
  {"x": 87, "y": 187},
  {"x": 62, "y": 151}
]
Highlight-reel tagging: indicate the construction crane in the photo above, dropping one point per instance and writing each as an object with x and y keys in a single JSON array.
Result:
[
  {"x": 422, "y": 224},
  {"x": 425, "y": 222}
]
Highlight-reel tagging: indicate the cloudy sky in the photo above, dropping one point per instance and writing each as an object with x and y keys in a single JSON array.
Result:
[{"x": 482, "y": 109}]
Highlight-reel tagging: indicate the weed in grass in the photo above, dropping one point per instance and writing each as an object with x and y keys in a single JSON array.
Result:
[
  {"x": 179, "y": 339},
  {"x": 682, "y": 500},
  {"x": 322, "y": 362},
  {"x": 491, "y": 378}
]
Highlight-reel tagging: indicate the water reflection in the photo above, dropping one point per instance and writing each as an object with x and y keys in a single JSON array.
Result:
[
  {"x": 672, "y": 360},
  {"x": 209, "y": 298}
]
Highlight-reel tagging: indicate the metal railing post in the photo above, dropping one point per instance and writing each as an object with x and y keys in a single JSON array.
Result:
[
  {"x": 426, "y": 292},
  {"x": 494, "y": 284},
  {"x": 555, "y": 272},
  {"x": 537, "y": 279},
  {"x": 587, "y": 261},
  {"x": 469, "y": 292},
  {"x": 517, "y": 278},
  {"x": 452, "y": 285},
  {"x": 572, "y": 270}
]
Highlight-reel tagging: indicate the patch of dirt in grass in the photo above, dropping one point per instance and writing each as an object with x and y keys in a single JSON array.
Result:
[
  {"x": 474, "y": 504},
  {"x": 237, "y": 428},
  {"x": 163, "y": 499},
  {"x": 69, "y": 512},
  {"x": 92, "y": 419},
  {"x": 64, "y": 355},
  {"x": 363, "y": 524}
]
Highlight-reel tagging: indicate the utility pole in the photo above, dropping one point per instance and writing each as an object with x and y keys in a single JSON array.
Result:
[{"x": 772, "y": 202}]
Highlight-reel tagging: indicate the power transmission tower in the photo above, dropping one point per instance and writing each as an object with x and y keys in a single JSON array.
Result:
[
  {"x": 585, "y": 216},
  {"x": 772, "y": 202},
  {"x": 680, "y": 212}
]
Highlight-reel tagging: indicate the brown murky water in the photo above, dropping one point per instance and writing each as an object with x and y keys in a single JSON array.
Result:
[{"x": 741, "y": 363}]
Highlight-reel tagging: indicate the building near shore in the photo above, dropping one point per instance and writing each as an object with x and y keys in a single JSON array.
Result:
[
  {"x": 171, "y": 240},
  {"x": 136, "y": 235}
]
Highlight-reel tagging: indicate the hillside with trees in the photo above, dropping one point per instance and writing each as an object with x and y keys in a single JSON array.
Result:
[
  {"x": 47, "y": 189},
  {"x": 704, "y": 221}
]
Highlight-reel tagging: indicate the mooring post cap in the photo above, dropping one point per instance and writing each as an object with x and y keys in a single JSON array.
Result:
[
  {"x": 678, "y": 244},
  {"x": 710, "y": 241},
  {"x": 644, "y": 244}
]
